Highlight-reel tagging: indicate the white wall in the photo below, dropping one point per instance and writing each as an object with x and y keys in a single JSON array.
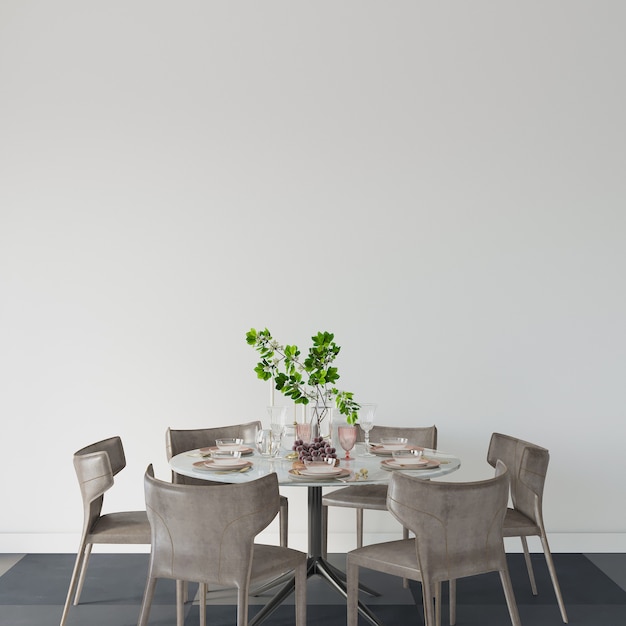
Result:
[{"x": 439, "y": 184}]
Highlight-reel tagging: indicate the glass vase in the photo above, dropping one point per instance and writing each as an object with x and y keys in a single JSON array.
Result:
[{"x": 318, "y": 415}]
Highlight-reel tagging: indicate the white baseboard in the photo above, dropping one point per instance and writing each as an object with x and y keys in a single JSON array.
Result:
[{"x": 35, "y": 543}]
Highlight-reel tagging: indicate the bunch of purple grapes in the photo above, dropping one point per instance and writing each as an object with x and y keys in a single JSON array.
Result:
[{"x": 318, "y": 448}]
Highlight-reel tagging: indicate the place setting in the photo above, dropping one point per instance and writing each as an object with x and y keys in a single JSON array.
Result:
[
  {"x": 318, "y": 469},
  {"x": 388, "y": 445},
  {"x": 408, "y": 459},
  {"x": 228, "y": 444},
  {"x": 223, "y": 460}
]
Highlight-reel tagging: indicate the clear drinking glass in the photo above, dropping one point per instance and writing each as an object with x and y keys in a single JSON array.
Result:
[
  {"x": 278, "y": 420},
  {"x": 366, "y": 422},
  {"x": 265, "y": 443},
  {"x": 347, "y": 439}
]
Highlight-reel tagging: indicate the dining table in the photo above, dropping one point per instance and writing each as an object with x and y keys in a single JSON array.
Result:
[{"x": 362, "y": 469}]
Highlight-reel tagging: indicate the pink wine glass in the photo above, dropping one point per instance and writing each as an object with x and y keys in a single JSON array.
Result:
[{"x": 347, "y": 439}]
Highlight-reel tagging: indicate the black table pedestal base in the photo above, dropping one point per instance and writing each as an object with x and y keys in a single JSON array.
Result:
[{"x": 316, "y": 565}]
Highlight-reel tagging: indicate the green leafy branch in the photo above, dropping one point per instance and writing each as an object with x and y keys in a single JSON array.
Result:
[{"x": 309, "y": 380}]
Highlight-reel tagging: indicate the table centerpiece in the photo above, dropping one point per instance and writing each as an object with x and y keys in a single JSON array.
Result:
[{"x": 309, "y": 381}]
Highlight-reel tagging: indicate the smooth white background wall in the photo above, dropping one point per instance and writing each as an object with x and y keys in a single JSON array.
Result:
[{"x": 439, "y": 184}]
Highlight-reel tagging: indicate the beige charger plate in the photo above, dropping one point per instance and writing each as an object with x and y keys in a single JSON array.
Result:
[
  {"x": 245, "y": 450},
  {"x": 390, "y": 464},
  {"x": 380, "y": 450},
  {"x": 298, "y": 475},
  {"x": 212, "y": 466}
]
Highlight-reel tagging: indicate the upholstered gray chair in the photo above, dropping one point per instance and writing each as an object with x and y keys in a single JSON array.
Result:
[
  {"x": 177, "y": 441},
  {"x": 373, "y": 497},
  {"x": 528, "y": 465},
  {"x": 206, "y": 534},
  {"x": 458, "y": 533},
  {"x": 96, "y": 466}
]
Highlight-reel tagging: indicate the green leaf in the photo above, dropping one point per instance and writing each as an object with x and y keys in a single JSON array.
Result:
[{"x": 306, "y": 380}]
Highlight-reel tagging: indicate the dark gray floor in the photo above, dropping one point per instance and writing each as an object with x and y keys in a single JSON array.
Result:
[{"x": 33, "y": 588}]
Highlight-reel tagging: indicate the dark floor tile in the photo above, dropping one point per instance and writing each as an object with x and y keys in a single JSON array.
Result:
[
  {"x": 613, "y": 565},
  {"x": 32, "y": 593},
  {"x": 580, "y": 580},
  {"x": 111, "y": 579}
]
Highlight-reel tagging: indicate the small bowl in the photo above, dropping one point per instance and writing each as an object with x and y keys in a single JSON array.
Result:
[
  {"x": 320, "y": 466},
  {"x": 229, "y": 444},
  {"x": 394, "y": 443},
  {"x": 408, "y": 457},
  {"x": 226, "y": 457}
]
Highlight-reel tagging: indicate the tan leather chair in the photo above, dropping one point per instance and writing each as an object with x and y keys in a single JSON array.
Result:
[
  {"x": 177, "y": 441},
  {"x": 458, "y": 533},
  {"x": 528, "y": 465},
  {"x": 373, "y": 497},
  {"x": 206, "y": 533},
  {"x": 96, "y": 466}
]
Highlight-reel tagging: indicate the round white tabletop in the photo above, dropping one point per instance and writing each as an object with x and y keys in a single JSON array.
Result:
[{"x": 184, "y": 464}]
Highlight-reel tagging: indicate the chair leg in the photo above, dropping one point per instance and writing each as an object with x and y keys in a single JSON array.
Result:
[
  {"x": 427, "y": 600},
  {"x": 80, "y": 555},
  {"x": 438, "y": 602},
  {"x": 300, "y": 594},
  {"x": 180, "y": 602},
  {"x": 352, "y": 579},
  {"x": 510, "y": 597},
  {"x": 83, "y": 572},
  {"x": 147, "y": 602},
  {"x": 405, "y": 535},
  {"x": 202, "y": 591},
  {"x": 452, "y": 594},
  {"x": 555, "y": 582},
  {"x": 529, "y": 566},
  {"x": 359, "y": 528},
  {"x": 242, "y": 606},
  {"x": 283, "y": 522}
]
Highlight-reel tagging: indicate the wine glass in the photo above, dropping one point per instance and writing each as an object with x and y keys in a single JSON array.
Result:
[
  {"x": 278, "y": 416},
  {"x": 303, "y": 431},
  {"x": 366, "y": 422},
  {"x": 347, "y": 439}
]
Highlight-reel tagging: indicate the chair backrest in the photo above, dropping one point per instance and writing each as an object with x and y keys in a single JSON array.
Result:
[
  {"x": 457, "y": 526},
  {"x": 528, "y": 465},
  {"x": 177, "y": 441},
  {"x": 206, "y": 533},
  {"x": 425, "y": 436},
  {"x": 95, "y": 466}
]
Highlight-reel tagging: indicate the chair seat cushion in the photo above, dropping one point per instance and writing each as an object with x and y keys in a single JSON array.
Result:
[
  {"x": 397, "y": 558},
  {"x": 516, "y": 524},
  {"x": 358, "y": 497},
  {"x": 273, "y": 561},
  {"x": 125, "y": 527}
]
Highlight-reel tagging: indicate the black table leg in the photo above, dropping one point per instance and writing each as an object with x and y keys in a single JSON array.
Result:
[{"x": 316, "y": 565}]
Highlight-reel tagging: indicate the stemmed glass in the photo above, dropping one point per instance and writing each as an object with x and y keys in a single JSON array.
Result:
[
  {"x": 347, "y": 439},
  {"x": 278, "y": 415},
  {"x": 366, "y": 422}
]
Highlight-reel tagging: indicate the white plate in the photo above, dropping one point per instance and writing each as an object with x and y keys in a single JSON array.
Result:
[
  {"x": 391, "y": 464},
  {"x": 298, "y": 475},
  {"x": 243, "y": 449},
  {"x": 387, "y": 450},
  {"x": 323, "y": 470},
  {"x": 226, "y": 462},
  {"x": 212, "y": 466}
]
